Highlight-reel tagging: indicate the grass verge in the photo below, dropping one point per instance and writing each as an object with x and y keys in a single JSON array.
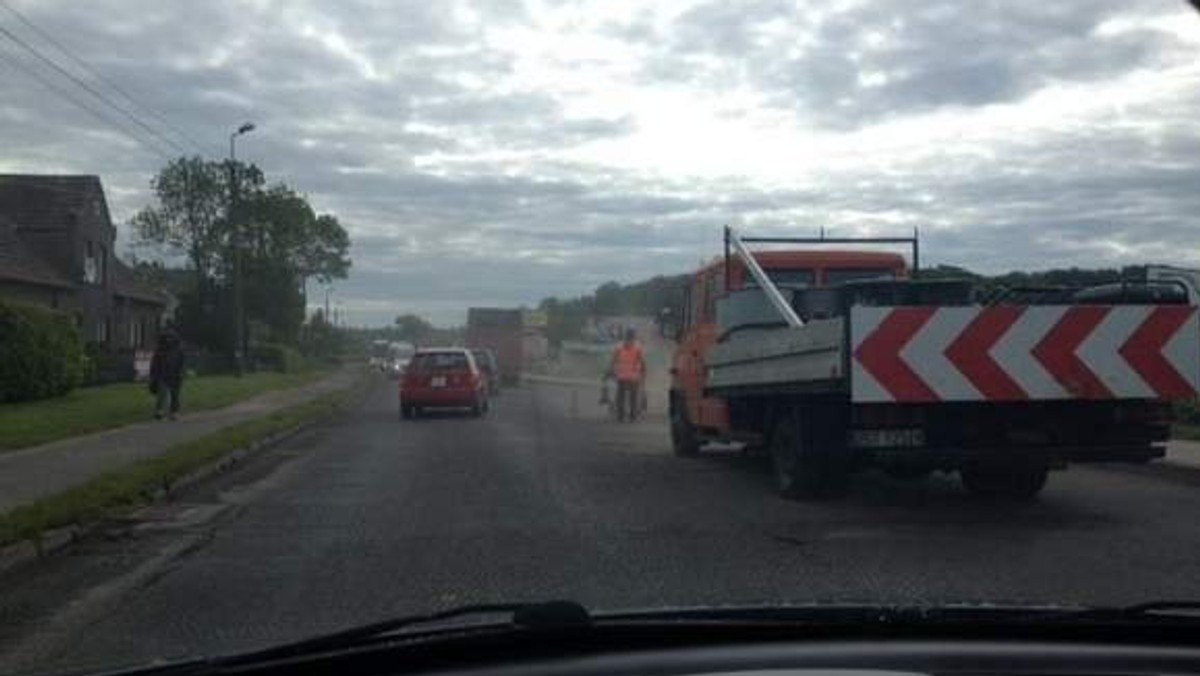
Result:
[
  {"x": 93, "y": 409},
  {"x": 1185, "y": 431},
  {"x": 137, "y": 484}
]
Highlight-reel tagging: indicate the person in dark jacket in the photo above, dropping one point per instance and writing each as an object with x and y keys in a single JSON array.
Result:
[{"x": 166, "y": 374}]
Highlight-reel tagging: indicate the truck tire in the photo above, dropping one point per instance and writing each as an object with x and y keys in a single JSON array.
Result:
[
  {"x": 994, "y": 482},
  {"x": 406, "y": 412},
  {"x": 805, "y": 463},
  {"x": 684, "y": 440}
]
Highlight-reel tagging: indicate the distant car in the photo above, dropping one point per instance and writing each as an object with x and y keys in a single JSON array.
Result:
[
  {"x": 487, "y": 363},
  {"x": 443, "y": 378},
  {"x": 395, "y": 368}
]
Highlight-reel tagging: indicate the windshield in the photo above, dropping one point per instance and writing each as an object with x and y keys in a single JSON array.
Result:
[
  {"x": 794, "y": 277},
  {"x": 317, "y": 313}
]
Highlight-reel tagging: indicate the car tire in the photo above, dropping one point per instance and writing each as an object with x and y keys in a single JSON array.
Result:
[
  {"x": 685, "y": 442},
  {"x": 999, "y": 482}
]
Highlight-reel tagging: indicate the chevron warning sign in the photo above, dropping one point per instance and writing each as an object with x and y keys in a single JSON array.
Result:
[{"x": 1009, "y": 353}]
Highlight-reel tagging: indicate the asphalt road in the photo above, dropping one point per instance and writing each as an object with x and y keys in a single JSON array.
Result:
[{"x": 369, "y": 517}]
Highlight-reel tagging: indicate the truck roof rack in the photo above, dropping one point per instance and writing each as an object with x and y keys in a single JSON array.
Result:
[{"x": 913, "y": 241}]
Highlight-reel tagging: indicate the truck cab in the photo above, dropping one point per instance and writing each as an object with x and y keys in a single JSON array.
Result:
[{"x": 699, "y": 328}]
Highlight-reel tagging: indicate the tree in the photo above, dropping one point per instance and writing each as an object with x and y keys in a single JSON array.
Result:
[
  {"x": 608, "y": 300},
  {"x": 189, "y": 214},
  {"x": 412, "y": 328},
  {"x": 280, "y": 240}
]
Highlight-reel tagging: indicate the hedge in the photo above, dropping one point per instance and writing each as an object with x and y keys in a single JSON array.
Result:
[
  {"x": 42, "y": 353},
  {"x": 280, "y": 358}
]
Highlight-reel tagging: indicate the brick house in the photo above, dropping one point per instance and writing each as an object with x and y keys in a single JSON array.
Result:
[{"x": 56, "y": 250}]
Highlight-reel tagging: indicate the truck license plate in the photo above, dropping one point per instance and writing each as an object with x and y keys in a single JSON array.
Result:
[
  {"x": 437, "y": 382},
  {"x": 905, "y": 438}
]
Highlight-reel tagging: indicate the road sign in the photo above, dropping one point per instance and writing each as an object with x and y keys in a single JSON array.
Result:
[{"x": 1009, "y": 353}]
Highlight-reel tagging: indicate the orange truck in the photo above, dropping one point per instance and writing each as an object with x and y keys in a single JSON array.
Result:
[{"x": 832, "y": 362}]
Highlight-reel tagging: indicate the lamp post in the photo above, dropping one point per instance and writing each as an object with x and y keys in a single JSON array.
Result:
[{"x": 239, "y": 310}]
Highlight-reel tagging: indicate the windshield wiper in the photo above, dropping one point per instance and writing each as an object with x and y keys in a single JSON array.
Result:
[
  {"x": 548, "y": 615},
  {"x": 569, "y": 615},
  {"x": 1151, "y": 610},
  {"x": 560, "y": 617}
]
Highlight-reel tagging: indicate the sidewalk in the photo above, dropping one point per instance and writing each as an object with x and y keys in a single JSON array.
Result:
[
  {"x": 32, "y": 473},
  {"x": 1181, "y": 453}
]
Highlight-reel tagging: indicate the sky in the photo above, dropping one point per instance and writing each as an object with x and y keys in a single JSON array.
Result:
[{"x": 499, "y": 152}]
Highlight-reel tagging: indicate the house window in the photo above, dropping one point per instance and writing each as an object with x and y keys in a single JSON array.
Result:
[
  {"x": 100, "y": 332},
  {"x": 90, "y": 266},
  {"x": 102, "y": 277},
  {"x": 138, "y": 329}
]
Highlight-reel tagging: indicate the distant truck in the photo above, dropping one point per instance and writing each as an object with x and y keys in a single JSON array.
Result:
[
  {"x": 501, "y": 331},
  {"x": 833, "y": 362}
]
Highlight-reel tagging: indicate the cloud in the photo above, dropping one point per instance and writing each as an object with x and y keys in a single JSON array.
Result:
[{"x": 498, "y": 153}]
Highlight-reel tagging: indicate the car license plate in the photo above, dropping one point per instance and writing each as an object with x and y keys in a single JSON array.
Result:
[
  {"x": 905, "y": 438},
  {"x": 437, "y": 382}
]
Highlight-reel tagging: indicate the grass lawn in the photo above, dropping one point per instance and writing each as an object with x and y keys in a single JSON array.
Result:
[
  {"x": 92, "y": 409},
  {"x": 135, "y": 485}
]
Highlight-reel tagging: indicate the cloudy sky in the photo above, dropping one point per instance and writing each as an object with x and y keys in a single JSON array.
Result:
[{"x": 499, "y": 152}]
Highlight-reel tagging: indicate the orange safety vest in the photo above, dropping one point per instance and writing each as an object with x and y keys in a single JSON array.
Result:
[{"x": 627, "y": 362}]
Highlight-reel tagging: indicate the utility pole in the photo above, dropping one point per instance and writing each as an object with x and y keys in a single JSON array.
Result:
[{"x": 239, "y": 309}]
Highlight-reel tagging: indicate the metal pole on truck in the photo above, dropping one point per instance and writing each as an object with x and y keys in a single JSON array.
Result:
[{"x": 764, "y": 282}]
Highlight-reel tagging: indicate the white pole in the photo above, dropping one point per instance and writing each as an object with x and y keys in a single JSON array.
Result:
[{"x": 764, "y": 282}]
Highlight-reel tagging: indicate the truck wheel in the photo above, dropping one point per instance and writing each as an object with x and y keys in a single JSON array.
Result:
[
  {"x": 1022, "y": 482},
  {"x": 684, "y": 440},
  {"x": 406, "y": 412},
  {"x": 804, "y": 464}
]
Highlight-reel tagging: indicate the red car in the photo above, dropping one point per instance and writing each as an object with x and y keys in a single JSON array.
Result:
[{"x": 443, "y": 378}]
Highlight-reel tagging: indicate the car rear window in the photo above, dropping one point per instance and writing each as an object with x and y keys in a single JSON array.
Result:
[{"x": 429, "y": 362}]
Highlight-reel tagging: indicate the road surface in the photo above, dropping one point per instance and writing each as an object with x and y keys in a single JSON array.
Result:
[{"x": 368, "y": 517}]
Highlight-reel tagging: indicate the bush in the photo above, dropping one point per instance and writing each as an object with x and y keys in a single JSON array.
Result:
[
  {"x": 1187, "y": 412},
  {"x": 107, "y": 366},
  {"x": 277, "y": 357},
  {"x": 42, "y": 356}
]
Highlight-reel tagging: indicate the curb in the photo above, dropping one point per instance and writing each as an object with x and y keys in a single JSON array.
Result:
[
  {"x": 56, "y": 540},
  {"x": 1162, "y": 468}
]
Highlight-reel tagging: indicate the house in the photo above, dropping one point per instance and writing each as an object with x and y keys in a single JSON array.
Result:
[{"x": 56, "y": 250}]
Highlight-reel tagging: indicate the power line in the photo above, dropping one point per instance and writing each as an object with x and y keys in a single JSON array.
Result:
[
  {"x": 96, "y": 74},
  {"x": 82, "y": 83},
  {"x": 67, "y": 95}
]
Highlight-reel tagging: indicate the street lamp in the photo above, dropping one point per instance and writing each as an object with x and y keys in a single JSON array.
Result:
[
  {"x": 244, "y": 129},
  {"x": 239, "y": 310}
]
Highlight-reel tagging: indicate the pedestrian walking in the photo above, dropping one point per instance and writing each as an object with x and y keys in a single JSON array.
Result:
[
  {"x": 166, "y": 375},
  {"x": 629, "y": 367}
]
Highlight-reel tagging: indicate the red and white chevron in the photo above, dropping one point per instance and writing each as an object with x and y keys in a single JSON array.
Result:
[{"x": 1009, "y": 353}]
